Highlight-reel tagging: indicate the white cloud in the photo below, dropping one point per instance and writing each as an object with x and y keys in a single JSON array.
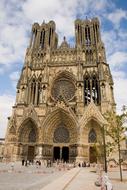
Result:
[
  {"x": 116, "y": 16},
  {"x": 14, "y": 76},
  {"x": 6, "y": 102},
  {"x": 118, "y": 60},
  {"x": 62, "y": 12},
  {"x": 16, "y": 18},
  {"x": 120, "y": 91},
  {"x": 13, "y": 43},
  {"x": 118, "y": 74},
  {"x": 114, "y": 41}
]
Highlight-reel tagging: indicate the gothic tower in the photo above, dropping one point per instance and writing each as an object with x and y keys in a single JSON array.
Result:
[{"x": 62, "y": 94}]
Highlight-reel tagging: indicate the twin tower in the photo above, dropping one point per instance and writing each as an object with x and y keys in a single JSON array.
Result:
[
  {"x": 87, "y": 33},
  {"x": 62, "y": 94}
]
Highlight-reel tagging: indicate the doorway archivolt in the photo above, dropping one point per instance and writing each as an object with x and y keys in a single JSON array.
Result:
[
  {"x": 60, "y": 127},
  {"x": 28, "y": 132}
]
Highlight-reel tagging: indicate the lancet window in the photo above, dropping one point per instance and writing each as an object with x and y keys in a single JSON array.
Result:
[
  {"x": 89, "y": 57},
  {"x": 96, "y": 33},
  {"x": 50, "y": 35},
  {"x": 92, "y": 138},
  {"x": 42, "y": 39},
  {"x": 32, "y": 136},
  {"x": 34, "y": 91},
  {"x": 87, "y": 36},
  {"x": 91, "y": 89}
]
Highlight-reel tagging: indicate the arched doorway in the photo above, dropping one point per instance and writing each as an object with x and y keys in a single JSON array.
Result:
[
  {"x": 92, "y": 155},
  {"x": 28, "y": 139},
  {"x": 65, "y": 154},
  {"x": 56, "y": 153},
  {"x": 60, "y": 130},
  {"x": 61, "y": 153}
]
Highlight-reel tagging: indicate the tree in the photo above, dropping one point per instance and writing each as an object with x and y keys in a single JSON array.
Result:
[{"x": 115, "y": 131}]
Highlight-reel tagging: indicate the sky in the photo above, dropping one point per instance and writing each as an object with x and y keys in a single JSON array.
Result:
[{"x": 16, "y": 19}]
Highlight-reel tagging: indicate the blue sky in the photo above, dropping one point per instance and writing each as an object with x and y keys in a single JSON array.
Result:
[{"x": 16, "y": 18}]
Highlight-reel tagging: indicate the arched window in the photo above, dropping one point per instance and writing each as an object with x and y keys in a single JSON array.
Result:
[
  {"x": 91, "y": 89},
  {"x": 92, "y": 138},
  {"x": 32, "y": 136},
  {"x": 35, "y": 88},
  {"x": 87, "y": 93},
  {"x": 42, "y": 38},
  {"x": 95, "y": 90}
]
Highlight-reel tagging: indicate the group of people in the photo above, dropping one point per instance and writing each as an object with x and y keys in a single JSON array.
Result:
[
  {"x": 27, "y": 162},
  {"x": 49, "y": 163},
  {"x": 84, "y": 164}
]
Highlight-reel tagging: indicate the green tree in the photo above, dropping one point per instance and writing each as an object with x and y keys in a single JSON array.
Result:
[{"x": 115, "y": 131}]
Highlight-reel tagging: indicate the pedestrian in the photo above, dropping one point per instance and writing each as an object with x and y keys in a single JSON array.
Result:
[
  {"x": 23, "y": 162},
  {"x": 12, "y": 166}
]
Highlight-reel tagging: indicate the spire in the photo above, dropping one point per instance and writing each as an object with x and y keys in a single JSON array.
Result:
[{"x": 64, "y": 44}]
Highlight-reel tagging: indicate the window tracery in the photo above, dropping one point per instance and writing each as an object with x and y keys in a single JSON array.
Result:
[
  {"x": 61, "y": 134},
  {"x": 32, "y": 136},
  {"x": 34, "y": 91},
  {"x": 92, "y": 138},
  {"x": 65, "y": 87},
  {"x": 91, "y": 89}
]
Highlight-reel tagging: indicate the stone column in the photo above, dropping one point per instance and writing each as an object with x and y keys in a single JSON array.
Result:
[
  {"x": 36, "y": 94},
  {"x": 60, "y": 153},
  {"x": 37, "y": 40},
  {"x": 40, "y": 95}
]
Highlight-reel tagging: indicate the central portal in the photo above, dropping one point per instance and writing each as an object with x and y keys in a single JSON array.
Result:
[
  {"x": 65, "y": 154},
  {"x": 56, "y": 153},
  {"x": 30, "y": 155},
  {"x": 61, "y": 153}
]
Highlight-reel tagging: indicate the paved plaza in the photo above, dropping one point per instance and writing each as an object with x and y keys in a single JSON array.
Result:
[{"x": 35, "y": 177}]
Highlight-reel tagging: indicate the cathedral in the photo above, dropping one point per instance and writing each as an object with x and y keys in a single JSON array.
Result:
[{"x": 62, "y": 95}]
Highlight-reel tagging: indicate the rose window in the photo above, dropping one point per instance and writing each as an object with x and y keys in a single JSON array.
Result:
[
  {"x": 61, "y": 135},
  {"x": 63, "y": 87}
]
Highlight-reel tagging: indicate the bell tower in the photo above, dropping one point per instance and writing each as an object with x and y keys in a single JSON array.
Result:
[{"x": 43, "y": 36}]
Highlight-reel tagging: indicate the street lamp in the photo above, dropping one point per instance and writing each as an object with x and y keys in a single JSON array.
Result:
[{"x": 104, "y": 146}]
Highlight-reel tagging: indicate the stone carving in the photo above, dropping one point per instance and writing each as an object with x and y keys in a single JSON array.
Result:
[{"x": 30, "y": 112}]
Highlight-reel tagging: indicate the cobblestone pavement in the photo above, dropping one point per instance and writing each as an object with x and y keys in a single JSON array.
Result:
[
  {"x": 86, "y": 178},
  {"x": 39, "y": 178},
  {"x": 27, "y": 178},
  {"x": 114, "y": 176}
]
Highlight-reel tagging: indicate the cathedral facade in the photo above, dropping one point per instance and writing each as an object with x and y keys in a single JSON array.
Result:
[{"x": 62, "y": 95}]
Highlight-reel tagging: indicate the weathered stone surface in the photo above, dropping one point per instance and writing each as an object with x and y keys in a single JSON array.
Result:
[{"x": 60, "y": 86}]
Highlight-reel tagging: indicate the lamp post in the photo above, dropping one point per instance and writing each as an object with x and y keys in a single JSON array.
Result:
[{"x": 104, "y": 146}]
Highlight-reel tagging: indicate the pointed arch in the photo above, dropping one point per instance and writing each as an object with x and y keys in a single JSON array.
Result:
[
  {"x": 92, "y": 112},
  {"x": 35, "y": 89},
  {"x": 91, "y": 88},
  {"x": 56, "y": 118},
  {"x": 28, "y": 132},
  {"x": 65, "y": 74}
]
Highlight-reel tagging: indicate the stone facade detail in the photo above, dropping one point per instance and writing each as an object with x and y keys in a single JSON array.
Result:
[{"x": 62, "y": 90}]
